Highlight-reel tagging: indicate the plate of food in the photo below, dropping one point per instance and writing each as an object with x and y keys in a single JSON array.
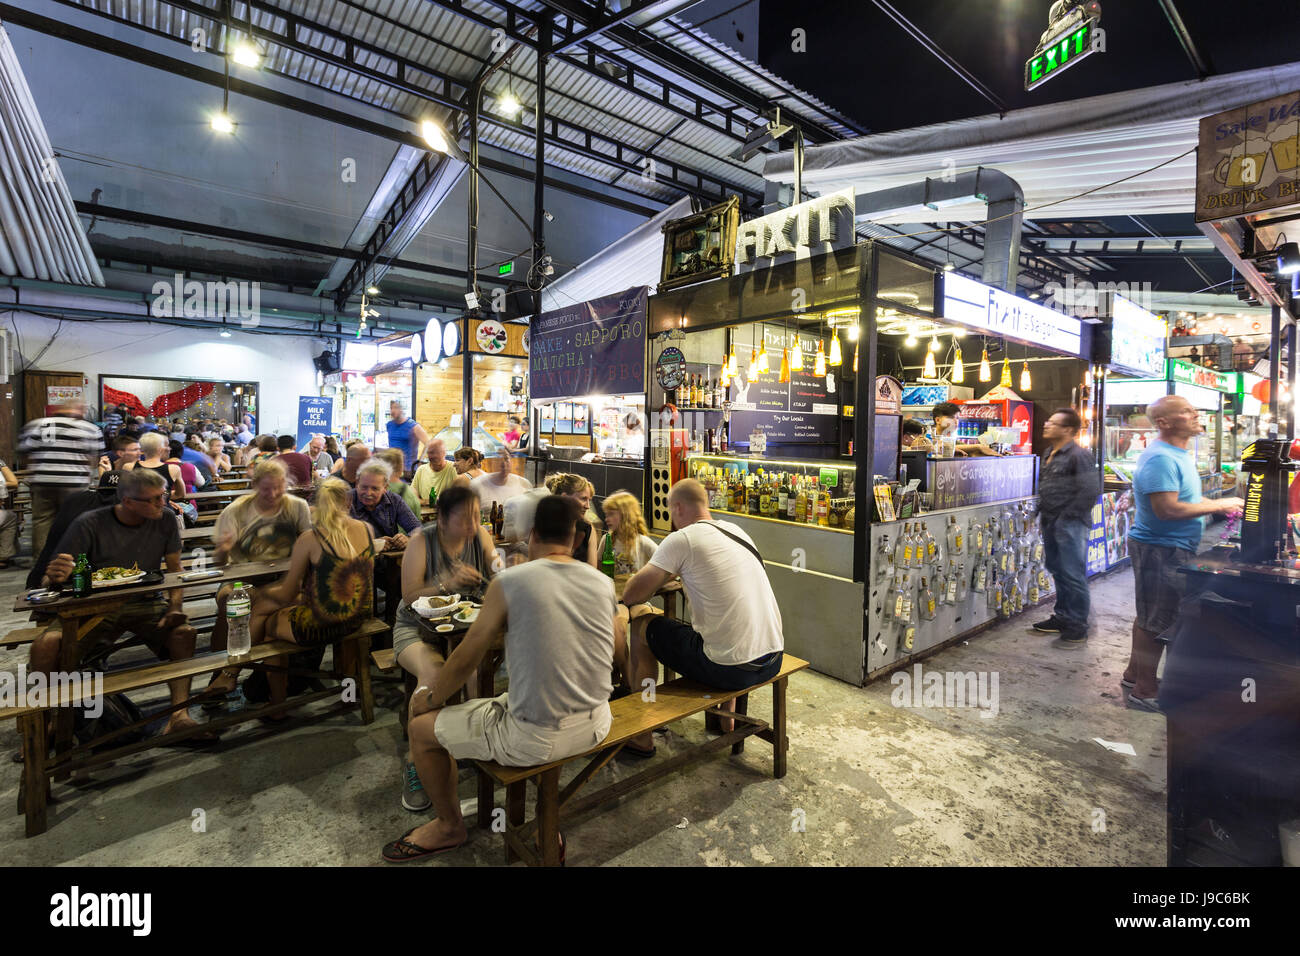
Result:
[
  {"x": 436, "y": 605},
  {"x": 466, "y": 615},
  {"x": 115, "y": 577}
]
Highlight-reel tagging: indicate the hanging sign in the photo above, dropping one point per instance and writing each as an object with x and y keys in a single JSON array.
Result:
[
  {"x": 670, "y": 369},
  {"x": 1248, "y": 159},
  {"x": 991, "y": 310},
  {"x": 315, "y": 417},
  {"x": 490, "y": 336},
  {"x": 591, "y": 348},
  {"x": 1189, "y": 374},
  {"x": 800, "y": 232},
  {"x": 1071, "y": 37},
  {"x": 1137, "y": 340}
]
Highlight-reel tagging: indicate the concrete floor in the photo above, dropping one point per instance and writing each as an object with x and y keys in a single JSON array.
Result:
[{"x": 873, "y": 784}]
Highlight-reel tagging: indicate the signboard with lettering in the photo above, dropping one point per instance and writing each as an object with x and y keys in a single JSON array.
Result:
[
  {"x": 991, "y": 310},
  {"x": 1248, "y": 159},
  {"x": 800, "y": 411},
  {"x": 961, "y": 482},
  {"x": 1137, "y": 340},
  {"x": 591, "y": 348},
  {"x": 1112, "y": 516},
  {"x": 804, "y": 230},
  {"x": 1189, "y": 374},
  {"x": 315, "y": 417},
  {"x": 1066, "y": 41}
]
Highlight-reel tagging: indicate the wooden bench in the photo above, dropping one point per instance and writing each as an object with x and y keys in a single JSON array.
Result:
[
  {"x": 21, "y": 636},
  {"x": 351, "y": 661},
  {"x": 633, "y": 716}
]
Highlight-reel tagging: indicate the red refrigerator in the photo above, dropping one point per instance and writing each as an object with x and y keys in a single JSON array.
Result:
[{"x": 1014, "y": 413}]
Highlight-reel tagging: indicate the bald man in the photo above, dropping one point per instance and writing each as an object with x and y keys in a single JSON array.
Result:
[
  {"x": 735, "y": 638},
  {"x": 436, "y": 474},
  {"x": 1165, "y": 536},
  {"x": 350, "y": 464}
]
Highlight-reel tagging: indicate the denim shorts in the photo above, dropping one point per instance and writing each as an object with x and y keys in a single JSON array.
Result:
[
  {"x": 679, "y": 646},
  {"x": 1158, "y": 587}
]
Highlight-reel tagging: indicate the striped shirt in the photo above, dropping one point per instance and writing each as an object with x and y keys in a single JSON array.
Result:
[{"x": 60, "y": 450}]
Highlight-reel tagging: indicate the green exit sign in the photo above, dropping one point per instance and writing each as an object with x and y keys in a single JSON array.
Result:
[
  {"x": 1063, "y": 52},
  {"x": 506, "y": 269}
]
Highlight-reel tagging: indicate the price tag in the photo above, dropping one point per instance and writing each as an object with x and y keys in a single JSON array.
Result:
[{"x": 829, "y": 477}]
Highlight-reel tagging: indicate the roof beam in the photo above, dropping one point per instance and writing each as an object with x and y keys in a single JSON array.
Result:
[
  {"x": 1200, "y": 62},
  {"x": 598, "y": 24}
]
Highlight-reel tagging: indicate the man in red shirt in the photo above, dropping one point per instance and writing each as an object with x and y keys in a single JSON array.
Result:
[{"x": 296, "y": 464}]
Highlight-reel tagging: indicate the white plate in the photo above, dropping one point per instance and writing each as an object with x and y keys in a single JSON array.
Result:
[
  {"x": 466, "y": 615},
  {"x": 117, "y": 582},
  {"x": 422, "y": 607}
]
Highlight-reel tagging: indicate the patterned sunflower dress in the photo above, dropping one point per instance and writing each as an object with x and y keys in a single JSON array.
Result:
[{"x": 339, "y": 595}]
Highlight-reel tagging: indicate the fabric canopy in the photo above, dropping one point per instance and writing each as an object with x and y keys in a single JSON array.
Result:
[
  {"x": 1054, "y": 152},
  {"x": 40, "y": 234},
  {"x": 161, "y": 406}
]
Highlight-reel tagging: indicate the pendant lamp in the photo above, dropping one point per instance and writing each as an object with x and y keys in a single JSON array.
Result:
[
  {"x": 1025, "y": 382},
  {"x": 836, "y": 356},
  {"x": 930, "y": 371},
  {"x": 819, "y": 363},
  {"x": 1006, "y": 372},
  {"x": 753, "y": 365},
  {"x": 958, "y": 370},
  {"x": 796, "y": 355},
  {"x": 986, "y": 373},
  {"x": 785, "y": 367}
]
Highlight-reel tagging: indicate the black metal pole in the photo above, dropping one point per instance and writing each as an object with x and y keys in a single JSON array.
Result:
[
  {"x": 1291, "y": 382},
  {"x": 539, "y": 209},
  {"x": 1274, "y": 367}
]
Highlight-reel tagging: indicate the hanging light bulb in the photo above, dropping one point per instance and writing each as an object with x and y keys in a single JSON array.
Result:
[
  {"x": 911, "y": 337},
  {"x": 753, "y": 365},
  {"x": 854, "y": 331},
  {"x": 930, "y": 371},
  {"x": 733, "y": 366},
  {"x": 934, "y": 342},
  {"x": 725, "y": 375},
  {"x": 796, "y": 356},
  {"x": 763, "y": 365},
  {"x": 819, "y": 363},
  {"x": 1006, "y": 372},
  {"x": 958, "y": 370},
  {"x": 836, "y": 357},
  {"x": 986, "y": 373},
  {"x": 1025, "y": 382},
  {"x": 785, "y": 367}
]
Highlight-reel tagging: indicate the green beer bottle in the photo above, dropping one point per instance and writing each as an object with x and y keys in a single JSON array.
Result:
[
  {"x": 81, "y": 576},
  {"x": 607, "y": 558}
]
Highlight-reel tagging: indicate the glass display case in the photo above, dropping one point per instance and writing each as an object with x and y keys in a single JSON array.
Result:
[{"x": 813, "y": 493}]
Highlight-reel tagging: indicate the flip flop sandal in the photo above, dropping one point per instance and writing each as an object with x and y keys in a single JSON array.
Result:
[
  {"x": 403, "y": 850},
  {"x": 637, "y": 752},
  {"x": 199, "y": 742},
  {"x": 1127, "y": 684}
]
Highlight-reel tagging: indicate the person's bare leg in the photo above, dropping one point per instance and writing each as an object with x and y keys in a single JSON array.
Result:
[
  {"x": 643, "y": 666},
  {"x": 437, "y": 772},
  {"x": 1143, "y": 663},
  {"x": 180, "y": 647},
  {"x": 223, "y": 681},
  {"x": 424, "y": 662}
]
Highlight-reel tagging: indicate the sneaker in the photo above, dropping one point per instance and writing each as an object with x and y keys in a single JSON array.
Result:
[
  {"x": 1070, "y": 640},
  {"x": 413, "y": 796},
  {"x": 1050, "y": 626}
]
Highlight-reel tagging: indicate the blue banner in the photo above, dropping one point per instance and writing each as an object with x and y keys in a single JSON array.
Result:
[
  {"x": 315, "y": 417},
  {"x": 592, "y": 348}
]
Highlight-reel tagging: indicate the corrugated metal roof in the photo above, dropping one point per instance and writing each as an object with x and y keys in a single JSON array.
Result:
[{"x": 427, "y": 34}]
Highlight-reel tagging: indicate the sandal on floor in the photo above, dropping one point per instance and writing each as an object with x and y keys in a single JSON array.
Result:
[
  {"x": 197, "y": 742},
  {"x": 403, "y": 850},
  {"x": 637, "y": 753}
]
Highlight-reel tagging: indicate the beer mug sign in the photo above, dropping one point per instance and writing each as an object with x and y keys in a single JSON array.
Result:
[{"x": 1244, "y": 170}]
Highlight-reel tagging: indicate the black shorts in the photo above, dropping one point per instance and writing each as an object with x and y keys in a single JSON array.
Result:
[
  {"x": 679, "y": 646},
  {"x": 1159, "y": 590}
]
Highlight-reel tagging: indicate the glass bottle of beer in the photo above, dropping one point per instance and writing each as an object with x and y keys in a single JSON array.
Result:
[
  {"x": 607, "y": 557},
  {"x": 81, "y": 576}
]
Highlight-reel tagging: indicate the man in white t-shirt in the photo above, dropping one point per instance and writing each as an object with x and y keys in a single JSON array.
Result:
[
  {"x": 498, "y": 487},
  {"x": 734, "y": 639}
]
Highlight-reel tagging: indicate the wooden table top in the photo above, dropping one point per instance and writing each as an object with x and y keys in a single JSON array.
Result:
[{"x": 249, "y": 571}]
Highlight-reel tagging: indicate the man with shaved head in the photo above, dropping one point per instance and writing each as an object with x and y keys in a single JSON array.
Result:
[
  {"x": 1167, "y": 490},
  {"x": 436, "y": 474},
  {"x": 734, "y": 639}
]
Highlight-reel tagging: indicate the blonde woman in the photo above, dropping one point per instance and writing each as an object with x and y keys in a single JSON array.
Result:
[
  {"x": 585, "y": 545},
  {"x": 328, "y": 590},
  {"x": 263, "y": 525},
  {"x": 217, "y": 452},
  {"x": 633, "y": 546}
]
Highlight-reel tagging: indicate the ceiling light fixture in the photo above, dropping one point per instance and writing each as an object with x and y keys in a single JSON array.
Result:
[
  {"x": 222, "y": 123},
  {"x": 986, "y": 373},
  {"x": 1025, "y": 382},
  {"x": 509, "y": 104},
  {"x": 1288, "y": 256},
  {"x": 246, "y": 54},
  {"x": 819, "y": 362},
  {"x": 930, "y": 371},
  {"x": 432, "y": 133},
  {"x": 796, "y": 355},
  {"x": 836, "y": 356},
  {"x": 958, "y": 370},
  {"x": 1006, "y": 372}
]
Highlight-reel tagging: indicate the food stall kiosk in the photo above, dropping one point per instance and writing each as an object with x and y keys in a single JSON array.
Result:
[{"x": 803, "y": 452}]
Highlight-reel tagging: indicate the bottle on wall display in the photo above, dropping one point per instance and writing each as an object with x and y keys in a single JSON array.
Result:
[
  {"x": 926, "y": 601},
  {"x": 884, "y": 558},
  {"x": 954, "y": 536},
  {"x": 931, "y": 546},
  {"x": 903, "y": 551},
  {"x": 783, "y": 498},
  {"x": 979, "y": 577}
]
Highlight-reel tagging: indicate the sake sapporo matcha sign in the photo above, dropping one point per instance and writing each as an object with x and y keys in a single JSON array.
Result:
[{"x": 590, "y": 348}]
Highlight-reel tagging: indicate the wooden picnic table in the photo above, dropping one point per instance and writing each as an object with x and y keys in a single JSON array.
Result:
[{"x": 79, "y": 616}]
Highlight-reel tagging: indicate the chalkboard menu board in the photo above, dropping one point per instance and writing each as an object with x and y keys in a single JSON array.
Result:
[
  {"x": 962, "y": 482},
  {"x": 801, "y": 411},
  {"x": 886, "y": 439}
]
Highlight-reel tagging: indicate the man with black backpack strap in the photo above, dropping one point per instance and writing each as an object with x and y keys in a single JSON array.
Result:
[{"x": 734, "y": 639}]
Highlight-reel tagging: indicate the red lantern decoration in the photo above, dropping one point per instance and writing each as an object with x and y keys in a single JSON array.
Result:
[{"x": 1260, "y": 391}]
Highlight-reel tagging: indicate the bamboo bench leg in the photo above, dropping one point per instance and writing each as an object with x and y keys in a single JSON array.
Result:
[
  {"x": 548, "y": 817},
  {"x": 742, "y": 707},
  {"x": 515, "y": 793},
  {"x": 361, "y": 670},
  {"x": 485, "y": 795},
  {"x": 779, "y": 741},
  {"x": 34, "y": 792}
]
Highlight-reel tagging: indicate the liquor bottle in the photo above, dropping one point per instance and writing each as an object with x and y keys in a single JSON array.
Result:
[
  {"x": 81, "y": 576},
  {"x": 1034, "y": 591},
  {"x": 607, "y": 557},
  {"x": 993, "y": 595},
  {"x": 989, "y": 538},
  {"x": 903, "y": 601},
  {"x": 764, "y": 496},
  {"x": 699, "y": 392},
  {"x": 752, "y": 496},
  {"x": 918, "y": 546},
  {"x": 931, "y": 546},
  {"x": 890, "y": 605},
  {"x": 952, "y": 582},
  {"x": 954, "y": 536},
  {"x": 939, "y": 584},
  {"x": 824, "y": 509},
  {"x": 963, "y": 582},
  {"x": 926, "y": 602},
  {"x": 783, "y": 497},
  {"x": 903, "y": 550},
  {"x": 976, "y": 534},
  {"x": 979, "y": 577},
  {"x": 814, "y": 496},
  {"x": 884, "y": 564}
]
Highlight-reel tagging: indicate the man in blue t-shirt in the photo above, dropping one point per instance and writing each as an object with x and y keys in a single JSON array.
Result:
[
  {"x": 1167, "y": 490},
  {"x": 406, "y": 434}
]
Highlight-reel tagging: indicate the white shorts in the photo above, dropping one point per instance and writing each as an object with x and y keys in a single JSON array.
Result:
[{"x": 484, "y": 729}]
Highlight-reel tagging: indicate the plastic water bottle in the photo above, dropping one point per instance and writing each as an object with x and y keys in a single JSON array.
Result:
[{"x": 239, "y": 610}]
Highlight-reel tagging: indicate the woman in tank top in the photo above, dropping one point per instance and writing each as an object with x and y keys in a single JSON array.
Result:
[
  {"x": 328, "y": 591},
  {"x": 153, "y": 446}
]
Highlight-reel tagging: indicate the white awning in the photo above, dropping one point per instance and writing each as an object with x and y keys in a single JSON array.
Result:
[
  {"x": 1055, "y": 152},
  {"x": 40, "y": 234},
  {"x": 635, "y": 259}
]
